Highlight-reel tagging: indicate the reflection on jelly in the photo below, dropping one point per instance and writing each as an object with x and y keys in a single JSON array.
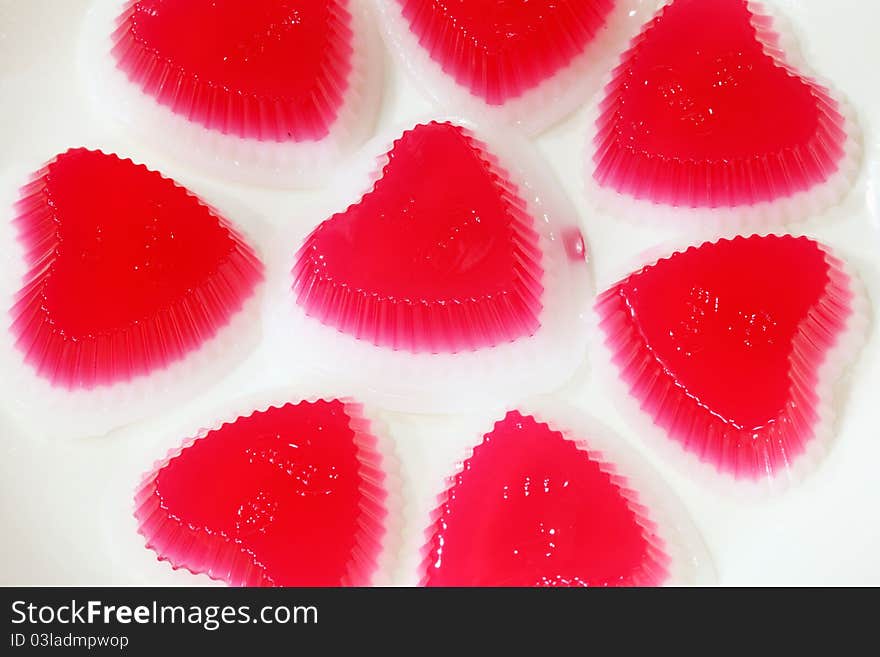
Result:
[{"x": 573, "y": 240}]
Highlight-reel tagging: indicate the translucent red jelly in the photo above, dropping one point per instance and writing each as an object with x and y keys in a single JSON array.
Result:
[
  {"x": 291, "y": 496},
  {"x": 722, "y": 346},
  {"x": 501, "y": 49},
  {"x": 444, "y": 213},
  {"x": 530, "y": 508},
  {"x": 128, "y": 272},
  {"x": 703, "y": 111},
  {"x": 273, "y": 70}
]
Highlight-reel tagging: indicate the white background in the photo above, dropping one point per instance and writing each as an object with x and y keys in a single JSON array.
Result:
[{"x": 64, "y": 504}]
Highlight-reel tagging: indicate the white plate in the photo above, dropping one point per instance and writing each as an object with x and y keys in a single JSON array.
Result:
[{"x": 56, "y": 496}]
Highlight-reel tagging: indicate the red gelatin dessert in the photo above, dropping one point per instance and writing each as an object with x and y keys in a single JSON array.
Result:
[
  {"x": 722, "y": 346},
  {"x": 127, "y": 272},
  {"x": 704, "y": 112},
  {"x": 446, "y": 214},
  {"x": 260, "y": 69},
  {"x": 290, "y": 496},
  {"x": 500, "y": 50},
  {"x": 532, "y": 508}
]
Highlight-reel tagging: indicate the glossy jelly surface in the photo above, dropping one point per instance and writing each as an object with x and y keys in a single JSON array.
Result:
[
  {"x": 530, "y": 508},
  {"x": 445, "y": 214},
  {"x": 291, "y": 496},
  {"x": 703, "y": 111},
  {"x": 721, "y": 345},
  {"x": 272, "y": 70},
  {"x": 128, "y": 272},
  {"x": 499, "y": 50}
]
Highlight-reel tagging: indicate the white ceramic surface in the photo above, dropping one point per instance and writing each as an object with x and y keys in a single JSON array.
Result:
[{"x": 60, "y": 499}]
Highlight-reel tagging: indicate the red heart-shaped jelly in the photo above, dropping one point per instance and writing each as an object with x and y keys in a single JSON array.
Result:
[
  {"x": 290, "y": 496},
  {"x": 440, "y": 256},
  {"x": 532, "y": 508},
  {"x": 127, "y": 271},
  {"x": 722, "y": 344},
  {"x": 500, "y": 50},
  {"x": 703, "y": 111},
  {"x": 273, "y": 70}
]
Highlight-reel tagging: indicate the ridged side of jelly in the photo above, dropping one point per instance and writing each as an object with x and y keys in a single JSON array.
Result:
[
  {"x": 500, "y": 57},
  {"x": 288, "y": 108},
  {"x": 77, "y": 356},
  {"x": 425, "y": 321},
  {"x": 228, "y": 558},
  {"x": 748, "y": 453},
  {"x": 718, "y": 181},
  {"x": 653, "y": 562}
]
